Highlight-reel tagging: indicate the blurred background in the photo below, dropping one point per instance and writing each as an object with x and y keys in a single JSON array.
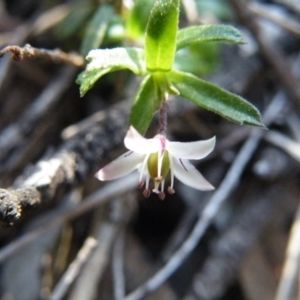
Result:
[{"x": 65, "y": 235}]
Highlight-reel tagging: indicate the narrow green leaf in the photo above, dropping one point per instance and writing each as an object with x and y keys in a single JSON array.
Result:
[
  {"x": 207, "y": 33},
  {"x": 138, "y": 17},
  {"x": 161, "y": 33},
  {"x": 103, "y": 61},
  {"x": 215, "y": 99},
  {"x": 96, "y": 29},
  {"x": 143, "y": 108}
]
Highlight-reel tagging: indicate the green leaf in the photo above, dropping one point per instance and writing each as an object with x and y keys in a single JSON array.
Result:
[
  {"x": 207, "y": 33},
  {"x": 160, "y": 42},
  {"x": 215, "y": 99},
  {"x": 200, "y": 59},
  {"x": 138, "y": 17},
  {"x": 143, "y": 108},
  {"x": 103, "y": 61},
  {"x": 121, "y": 58},
  {"x": 96, "y": 29},
  {"x": 86, "y": 80}
]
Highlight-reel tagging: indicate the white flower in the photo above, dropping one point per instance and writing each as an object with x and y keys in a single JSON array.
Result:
[{"x": 155, "y": 158}]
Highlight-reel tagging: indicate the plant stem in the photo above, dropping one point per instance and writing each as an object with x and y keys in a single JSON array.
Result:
[{"x": 163, "y": 118}]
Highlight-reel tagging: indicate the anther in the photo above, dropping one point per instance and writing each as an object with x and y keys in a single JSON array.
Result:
[
  {"x": 171, "y": 190},
  {"x": 141, "y": 184},
  {"x": 161, "y": 195},
  {"x": 146, "y": 193}
]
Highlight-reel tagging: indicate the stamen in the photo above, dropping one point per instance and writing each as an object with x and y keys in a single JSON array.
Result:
[
  {"x": 162, "y": 186},
  {"x": 161, "y": 195},
  {"x": 171, "y": 191},
  {"x": 172, "y": 172},
  {"x": 141, "y": 184},
  {"x": 146, "y": 193},
  {"x": 156, "y": 191},
  {"x": 156, "y": 185},
  {"x": 159, "y": 164},
  {"x": 147, "y": 181},
  {"x": 142, "y": 170}
]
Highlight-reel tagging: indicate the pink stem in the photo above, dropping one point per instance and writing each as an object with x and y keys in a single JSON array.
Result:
[{"x": 163, "y": 118}]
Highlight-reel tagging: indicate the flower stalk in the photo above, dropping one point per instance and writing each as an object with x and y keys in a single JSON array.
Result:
[{"x": 163, "y": 118}]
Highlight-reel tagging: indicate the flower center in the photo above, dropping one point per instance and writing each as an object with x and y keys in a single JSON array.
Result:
[{"x": 158, "y": 166}]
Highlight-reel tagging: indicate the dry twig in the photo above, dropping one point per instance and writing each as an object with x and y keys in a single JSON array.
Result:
[
  {"x": 290, "y": 273},
  {"x": 69, "y": 166},
  {"x": 292, "y": 4},
  {"x": 271, "y": 54},
  {"x": 118, "y": 267},
  {"x": 56, "y": 56},
  {"x": 14, "y": 135},
  {"x": 74, "y": 269},
  {"x": 285, "y": 143},
  {"x": 59, "y": 217},
  {"x": 219, "y": 269},
  {"x": 283, "y": 21},
  {"x": 105, "y": 233}
]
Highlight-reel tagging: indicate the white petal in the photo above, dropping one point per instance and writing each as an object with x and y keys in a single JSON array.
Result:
[
  {"x": 189, "y": 175},
  {"x": 137, "y": 143},
  {"x": 121, "y": 166},
  {"x": 192, "y": 150}
]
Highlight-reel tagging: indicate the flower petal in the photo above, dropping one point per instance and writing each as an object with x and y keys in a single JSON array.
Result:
[
  {"x": 137, "y": 143},
  {"x": 189, "y": 175},
  {"x": 192, "y": 150},
  {"x": 121, "y": 166}
]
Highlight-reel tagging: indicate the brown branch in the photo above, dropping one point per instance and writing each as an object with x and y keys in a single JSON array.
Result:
[
  {"x": 74, "y": 269},
  {"x": 290, "y": 272},
  {"x": 285, "y": 21},
  {"x": 67, "y": 167},
  {"x": 12, "y": 202},
  {"x": 290, "y": 4},
  {"x": 56, "y": 55},
  {"x": 105, "y": 232},
  {"x": 219, "y": 269},
  {"x": 64, "y": 213}
]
